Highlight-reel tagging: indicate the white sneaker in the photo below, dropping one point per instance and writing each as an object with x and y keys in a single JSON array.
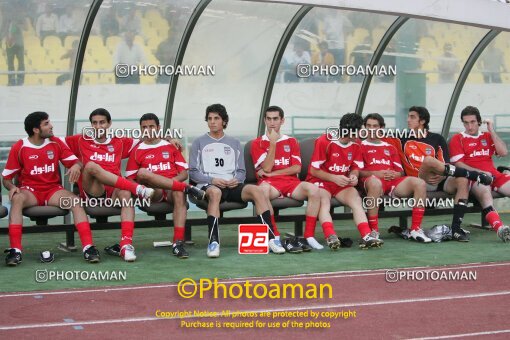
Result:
[
  {"x": 504, "y": 233},
  {"x": 127, "y": 252},
  {"x": 420, "y": 236},
  {"x": 143, "y": 192},
  {"x": 377, "y": 236},
  {"x": 314, "y": 243},
  {"x": 213, "y": 249},
  {"x": 276, "y": 246}
]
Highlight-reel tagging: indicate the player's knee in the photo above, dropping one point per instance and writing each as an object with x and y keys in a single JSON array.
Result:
[
  {"x": 373, "y": 184},
  {"x": 265, "y": 189},
  {"x": 313, "y": 193},
  {"x": 178, "y": 198},
  {"x": 429, "y": 161},
  {"x": 124, "y": 194},
  {"x": 142, "y": 174},
  {"x": 18, "y": 199},
  {"x": 213, "y": 193},
  {"x": 91, "y": 168}
]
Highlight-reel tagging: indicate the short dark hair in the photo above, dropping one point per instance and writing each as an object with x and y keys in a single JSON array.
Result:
[
  {"x": 101, "y": 112},
  {"x": 351, "y": 122},
  {"x": 149, "y": 116},
  {"x": 219, "y": 109},
  {"x": 375, "y": 116},
  {"x": 423, "y": 114},
  {"x": 471, "y": 111},
  {"x": 274, "y": 108},
  {"x": 33, "y": 121}
]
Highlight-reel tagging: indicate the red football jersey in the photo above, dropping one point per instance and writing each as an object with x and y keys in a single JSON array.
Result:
[
  {"x": 335, "y": 157},
  {"x": 163, "y": 159},
  {"x": 108, "y": 154},
  {"x": 475, "y": 151},
  {"x": 287, "y": 153},
  {"x": 380, "y": 156},
  {"x": 37, "y": 165}
]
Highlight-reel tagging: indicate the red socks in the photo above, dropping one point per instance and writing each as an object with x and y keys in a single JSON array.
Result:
[
  {"x": 417, "y": 217},
  {"x": 124, "y": 184},
  {"x": 364, "y": 229},
  {"x": 328, "y": 229},
  {"x": 178, "y": 234},
  {"x": 373, "y": 222},
  {"x": 85, "y": 233},
  {"x": 275, "y": 228},
  {"x": 178, "y": 186},
  {"x": 15, "y": 232},
  {"x": 310, "y": 222},
  {"x": 127, "y": 230},
  {"x": 492, "y": 217}
]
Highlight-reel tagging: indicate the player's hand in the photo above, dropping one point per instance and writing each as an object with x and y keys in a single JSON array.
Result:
[
  {"x": 232, "y": 183},
  {"x": 353, "y": 180},
  {"x": 220, "y": 183},
  {"x": 175, "y": 142},
  {"x": 262, "y": 173},
  {"x": 73, "y": 173},
  {"x": 342, "y": 180},
  {"x": 490, "y": 125},
  {"x": 13, "y": 192},
  {"x": 273, "y": 136}
]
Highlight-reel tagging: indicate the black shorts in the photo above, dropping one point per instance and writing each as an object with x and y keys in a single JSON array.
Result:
[{"x": 229, "y": 194}]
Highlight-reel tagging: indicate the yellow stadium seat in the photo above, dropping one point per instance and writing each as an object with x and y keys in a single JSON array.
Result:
[
  {"x": 68, "y": 42},
  {"x": 52, "y": 42}
]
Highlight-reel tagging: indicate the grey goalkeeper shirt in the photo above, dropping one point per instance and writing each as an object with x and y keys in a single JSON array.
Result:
[{"x": 216, "y": 158}]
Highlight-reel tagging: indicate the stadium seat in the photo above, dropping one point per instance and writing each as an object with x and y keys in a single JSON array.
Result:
[
  {"x": 277, "y": 203},
  {"x": 3, "y": 210},
  {"x": 100, "y": 214},
  {"x": 160, "y": 209},
  {"x": 41, "y": 214},
  {"x": 224, "y": 206}
]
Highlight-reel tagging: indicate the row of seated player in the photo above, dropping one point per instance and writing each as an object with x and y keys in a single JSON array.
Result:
[{"x": 218, "y": 170}]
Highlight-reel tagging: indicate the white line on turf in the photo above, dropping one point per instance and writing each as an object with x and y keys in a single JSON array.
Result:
[
  {"x": 340, "y": 274},
  {"x": 324, "y": 306},
  {"x": 463, "y": 335}
]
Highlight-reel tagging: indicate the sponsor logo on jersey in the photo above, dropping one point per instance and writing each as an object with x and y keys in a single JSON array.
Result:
[
  {"x": 282, "y": 161},
  {"x": 227, "y": 150},
  {"x": 50, "y": 154},
  {"x": 102, "y": 157},
  {"x": 372, "y": 151},
  {"x": 484, "y": 142},
  {"x": 33, "y": 157},
  {"x": 208, "y": 150},
  {"x": 159, "y": 167},
  {"x": 165, "y": 155},
  {"x": 336, "y": 154},
  {"x": 337, "y": 168},
  {"x": 414, "y": 147},
  {"x": 386, "y": 152},
  {"x": 110, "y": 148},
  {"x": 473, "y": 144},
  {"x": 483, "y": 152},
  {"x": 151, "y": 156},
  {"x": 46, "y": 169},
  {"x": 380, "y": 161},
  {"x": 286, "y": 148},
  {"x": 417, "y": 158},
  {"x": 349, "y": 156}
]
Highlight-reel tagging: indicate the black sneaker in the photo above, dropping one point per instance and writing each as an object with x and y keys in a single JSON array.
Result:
[
  {"x": 303, "y": 243},
  {"x": 91, "y": 255},
  {"x": 179, "y": 251},
  {"x": 113, "y": 250},
  {"x": 13, "y": 257},
  {"x": 195, "y": 192},
  {"x": 460, "y": 235},
  {"x": 291, "y": 247}
]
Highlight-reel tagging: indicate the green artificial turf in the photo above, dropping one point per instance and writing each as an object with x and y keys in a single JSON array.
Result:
[{"x": 157, "y": 265}]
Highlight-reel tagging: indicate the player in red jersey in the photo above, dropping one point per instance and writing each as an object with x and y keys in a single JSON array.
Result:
[
  {"x": 277, "y": 161},
  {"x": 473, "y": 150},
  {"x": 35, "y": 162},
  {"x": 159, "y": 164},
  {"x": 383, "y": 174},
  {"x": 101, "y": 175},
  {"x": 425, "y": 155},
  {"x": 334, "y": 168}
]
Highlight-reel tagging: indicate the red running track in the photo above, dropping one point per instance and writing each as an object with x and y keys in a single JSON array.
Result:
[{"x": 404, "y": 309}]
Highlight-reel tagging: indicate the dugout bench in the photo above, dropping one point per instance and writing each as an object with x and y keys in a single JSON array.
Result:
[{"x": 159, "y": 211}]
